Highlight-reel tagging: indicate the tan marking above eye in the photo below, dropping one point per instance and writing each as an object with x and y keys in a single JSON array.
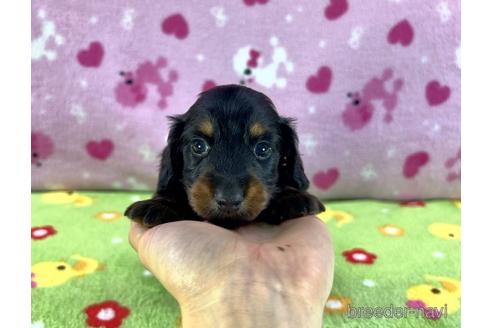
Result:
[
  {"x": 206, "y": 127},
  {"x": 257, "y": 129}
]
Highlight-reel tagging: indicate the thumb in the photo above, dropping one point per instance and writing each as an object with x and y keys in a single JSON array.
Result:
[{"x": 135, "y": 234}]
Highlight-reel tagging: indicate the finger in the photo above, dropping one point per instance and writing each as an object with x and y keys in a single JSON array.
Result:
[{"x": 135, "y": 234}]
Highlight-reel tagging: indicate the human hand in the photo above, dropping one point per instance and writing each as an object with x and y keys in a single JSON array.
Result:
[{"x": 259, "y": 275}]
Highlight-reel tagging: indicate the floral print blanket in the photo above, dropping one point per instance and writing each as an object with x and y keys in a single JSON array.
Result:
[{"x": 397, "y": 264}]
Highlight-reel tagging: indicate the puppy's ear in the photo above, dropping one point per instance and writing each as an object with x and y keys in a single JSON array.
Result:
[
  {"x": 171, "y": 167},
  {"x": 291, "y": 171}
]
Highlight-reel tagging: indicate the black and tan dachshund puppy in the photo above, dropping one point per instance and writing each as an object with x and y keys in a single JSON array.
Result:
[{"x": 230, "y": 159}]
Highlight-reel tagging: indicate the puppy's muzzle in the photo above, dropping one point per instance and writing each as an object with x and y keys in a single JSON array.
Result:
[
  {"x": 241, "y": 198},
  {"x": 229, "y": 193}
]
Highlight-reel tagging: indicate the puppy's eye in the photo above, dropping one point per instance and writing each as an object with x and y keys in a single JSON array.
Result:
[
  {"x": 263, "y": 150},
  {"x": 199, "y": 147}
]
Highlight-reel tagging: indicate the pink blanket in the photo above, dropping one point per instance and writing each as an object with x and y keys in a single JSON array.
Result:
[{"x": 375, "y": 86}]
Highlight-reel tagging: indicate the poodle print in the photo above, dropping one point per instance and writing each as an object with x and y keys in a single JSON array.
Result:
[
  {"x": 39, "y": 49},
  {"x": 133, "y": 89},
  {"x": 446, "y": 231},
  {"x": 440, "y": 295},
  {"x": 66, "y": 198},
  {"x": 42, "y": 147},
  {"x": 359, "y": 111},
  {"x": 54, "y": 273},
  {"x": 249, "y": 64},
  {"x": 453, "y": 165},
  {"x": 341, "y": 217}
]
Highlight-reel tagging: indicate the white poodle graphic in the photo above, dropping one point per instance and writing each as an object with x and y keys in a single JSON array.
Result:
[
  {"x": 249, "y": 63},
  {"x": 48, "y": 31}
]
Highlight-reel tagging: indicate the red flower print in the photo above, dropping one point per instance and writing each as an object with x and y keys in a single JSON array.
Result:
[
  {"x": 42, "y": 232},
  {"x": 359, "y": 255},
  {"x": 413, "y": 203},
  {"x": 108, "y": 314}
]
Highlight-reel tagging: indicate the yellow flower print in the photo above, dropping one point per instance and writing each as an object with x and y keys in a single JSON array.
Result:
[
  {"x": 108, "y": 216},
  {"x": 337, "y": 304},
  {"x": 391, "y": 230}
]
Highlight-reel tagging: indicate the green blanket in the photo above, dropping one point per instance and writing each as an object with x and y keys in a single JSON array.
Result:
[{"x": 397, "y": 265}]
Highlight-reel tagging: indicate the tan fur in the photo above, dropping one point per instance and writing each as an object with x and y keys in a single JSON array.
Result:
[
  {"x": 256, "y": 197},
  {"x": 257, "y": 130},
  {"x": 202, "y": 196},
  {"x": 206, "y": 127}
]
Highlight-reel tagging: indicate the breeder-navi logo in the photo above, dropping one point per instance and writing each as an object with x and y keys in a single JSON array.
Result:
[{"x": 396, "y": 312}]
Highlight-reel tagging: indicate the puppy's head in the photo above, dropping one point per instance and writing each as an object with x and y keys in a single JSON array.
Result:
[{"x": 231, "y": 152}]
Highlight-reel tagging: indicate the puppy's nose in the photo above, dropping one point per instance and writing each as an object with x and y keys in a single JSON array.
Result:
[{"x": 229, "y": 201}]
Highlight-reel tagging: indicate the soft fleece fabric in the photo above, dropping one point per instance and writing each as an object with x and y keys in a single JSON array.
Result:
[
  {"x": 375, "y": 86},
  {"x": 84, "y": 273}
]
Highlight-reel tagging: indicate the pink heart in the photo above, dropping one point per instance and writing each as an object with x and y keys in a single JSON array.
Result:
[
  {"x": 91, "y": 57},
  {"x": 320, "y": 82},
  {"x": 208, "y": 84},
  {"x": 324, "y": 180},
  {"x": 175, "y": 25},
  {"x": 100, "y": 150},
  {"x": 402, "y": 33},
  {"x": 414, "y": 162},
  {"x": 253, "y": 2},
  {"x": 335, "y": 9},
  {"x": 436, "y": 93}
]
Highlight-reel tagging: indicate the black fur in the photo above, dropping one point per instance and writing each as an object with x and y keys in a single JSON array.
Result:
[{"x": 232, "y": 161}]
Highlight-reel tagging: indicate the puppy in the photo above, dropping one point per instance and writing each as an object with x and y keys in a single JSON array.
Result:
[{"x": 230, "y": 160}]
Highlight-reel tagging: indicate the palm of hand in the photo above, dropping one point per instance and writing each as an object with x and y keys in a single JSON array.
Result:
[{"x": 197, "y": 262}]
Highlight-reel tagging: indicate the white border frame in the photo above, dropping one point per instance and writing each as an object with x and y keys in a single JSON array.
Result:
[{"x": 15, "y": 86}]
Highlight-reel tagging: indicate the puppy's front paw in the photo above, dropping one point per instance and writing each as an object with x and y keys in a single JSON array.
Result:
[
  {"x": 151, "y": 212},
  {"x": 290, "y": 205}
]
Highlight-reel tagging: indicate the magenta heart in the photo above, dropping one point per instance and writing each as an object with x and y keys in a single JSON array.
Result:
[
  {"x": 175, "y": 25},
  {"x": 324, "y": 180},
  {"x": 320, "y": 82},
  {"x": 253, "y": 2},
  {"x": 100, "y": 150},
  {"x": 93, "y": 56},
  {"x": 335, "y": 9},
  {"x": 414, "y": 162},
  {"x": 402, "y": 33},
  {"x": 208, "y": 84},
  {"x": 436, "y": 93}
]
